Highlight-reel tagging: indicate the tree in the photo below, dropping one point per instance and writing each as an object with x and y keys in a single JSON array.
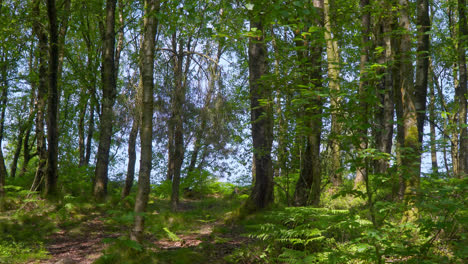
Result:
[
  {"x": 310, "y": 74},
  {"x": 461, "y": 90},
  {"x": 52, "y": 103},
  {"x": 362, "y": 171},
  {"x": 413, "y": 97},
  {"x": 261, "y": 114},
  {"x": 150, "y": 25},
  {"x": 3, "y": 100},
  {"x": 333, "y": 60},
  {"x": 176, "y": 122},
  {"x": 42, "y": 87},
  {"x": 108, "y": 99}
]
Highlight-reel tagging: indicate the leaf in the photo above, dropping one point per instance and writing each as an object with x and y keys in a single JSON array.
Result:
[
  {"x": 171, "y": 235},
  {"x": 249, "y": 6},
  {"x": 362, "y": 247}
]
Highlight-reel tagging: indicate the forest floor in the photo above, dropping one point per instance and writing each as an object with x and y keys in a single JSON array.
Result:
[{"x": 196, "y": 233}]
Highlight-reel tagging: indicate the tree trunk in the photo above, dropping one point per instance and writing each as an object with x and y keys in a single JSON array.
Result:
[
  {"x": 26, "y": 149},
  {"x": 81, "y": 130},
  {"x": 89, "y": 137},
  {"x": 432, "y": 120},
  {"x": 108, "y": 99},
  {"x": 178, "y": 103},
  {"x": 52, "y": 103},
  {"x": 131, "y": 157},
  {"x": 39, "y": 31},
  {"x": 170, "y": 150},
  {"x": 17, "y": 152},
  {"x": 398, "y": 181},
  {"x": 333, "y": 60},
  {"x": 462, "y": 89},
  {"x": 91, "y": 89},
  {"x": 361, "y": 172},
  {"x": 3, "y": 100},
  {"x": 23, "y": 141},
  {"x": 422, "y": 64},
  {"x": 383, "y": 128},
  {"x": 308, "y": 185},
  {"x": 411, "y": 152},
  {"x": 147, "y": 71},
  {"x": 32, "y": 113},
  {"x": 261, "y": 117}
]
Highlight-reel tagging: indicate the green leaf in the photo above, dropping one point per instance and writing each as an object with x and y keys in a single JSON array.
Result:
[
  {"x": 249, "y": 6},
  {"x": 171, "y": 235}
]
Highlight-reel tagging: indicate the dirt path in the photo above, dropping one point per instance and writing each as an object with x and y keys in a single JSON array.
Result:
[
  {"x": 220, "y": 244},
  {"x": 83, "y": 244}
]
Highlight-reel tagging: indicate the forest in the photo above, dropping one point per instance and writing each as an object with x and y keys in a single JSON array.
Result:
[{"x": 233, "y": 131}]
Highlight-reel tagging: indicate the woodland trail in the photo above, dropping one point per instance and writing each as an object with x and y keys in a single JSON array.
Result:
[{"x": 84, "y": 244}]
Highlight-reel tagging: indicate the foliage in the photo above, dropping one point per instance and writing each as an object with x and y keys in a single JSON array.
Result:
[
  {"x": 19, "y": 252},
  {"x": 320, "y": 235}
]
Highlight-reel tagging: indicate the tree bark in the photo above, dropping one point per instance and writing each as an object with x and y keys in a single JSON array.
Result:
[
  {"x": 131, "y": 157},
  {"x": 108, "y": 99},
  {"x": 411, "y": 153},
  {"x": 361, "y": 172},
  {"x": 52, "y": 103},
  {"x": 39, "y": 31},
  {"x": 81, "y": 130},
  {"x": 308, "y": 185},
  {"x": 3, "y": 105},
  {"x": 333, "y": 60},
  {"x": 261, "y": 117},
  {"x": 422, "y": 64},
  {"x": 147, "y": 71},
  {"x": 383, "y": 128},
  {"x": 170, "y": 150},
  {"x": 23, "y": 136},
  {"x": 17, "y": 152},
  {"x": 432, "y": 120},
  {"x": 178, "y": 103},
  {"x": 462, "y": 89},
  {"x": 89, "y": 137}
]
